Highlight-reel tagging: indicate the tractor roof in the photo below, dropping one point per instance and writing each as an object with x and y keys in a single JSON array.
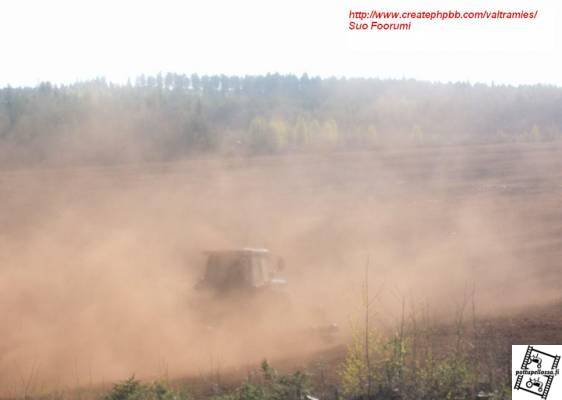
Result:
[{"x": 242, "y": 251}]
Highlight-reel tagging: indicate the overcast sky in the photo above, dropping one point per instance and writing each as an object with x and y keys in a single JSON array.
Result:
[{"x": 69, "y": 40}]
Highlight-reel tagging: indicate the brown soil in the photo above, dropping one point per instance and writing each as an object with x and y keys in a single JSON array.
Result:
[{"x": 97, "y": 264}]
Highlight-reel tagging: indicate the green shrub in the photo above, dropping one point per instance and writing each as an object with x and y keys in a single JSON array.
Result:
[
  {"x": 272, "y": 386},
  {"x": 355, "y": 372},
  {"x": 133, "y": 389},
  {"x": 450, "y": 378}
]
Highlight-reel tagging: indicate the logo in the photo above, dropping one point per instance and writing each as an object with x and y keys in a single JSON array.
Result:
[{"x": 535, "y": 372}]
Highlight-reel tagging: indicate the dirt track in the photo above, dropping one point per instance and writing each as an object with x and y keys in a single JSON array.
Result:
[{"x": 96, "y": 263}]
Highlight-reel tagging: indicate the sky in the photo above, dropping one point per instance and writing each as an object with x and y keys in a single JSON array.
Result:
[{"x": 63, "y": 41}]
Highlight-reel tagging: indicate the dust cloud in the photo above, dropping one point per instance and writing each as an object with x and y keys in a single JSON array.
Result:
[{"x": 98, "y": 265}]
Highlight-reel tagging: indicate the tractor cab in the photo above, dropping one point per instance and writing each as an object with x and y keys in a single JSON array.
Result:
[{"x": 241, "y": 270}]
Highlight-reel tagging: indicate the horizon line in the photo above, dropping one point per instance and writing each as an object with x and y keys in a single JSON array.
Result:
[{"x": 131, "y": 80}]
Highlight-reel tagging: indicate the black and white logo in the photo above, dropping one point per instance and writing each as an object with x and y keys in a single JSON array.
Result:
[{"x": 535, "y": 372}]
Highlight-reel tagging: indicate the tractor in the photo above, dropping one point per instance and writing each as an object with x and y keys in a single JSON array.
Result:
[
  {"x": 535, "y": 359},
  {"x": 244, "y": 271},
  {"x": 534, "y": 382},
  {"x": 245, "y": 284}
]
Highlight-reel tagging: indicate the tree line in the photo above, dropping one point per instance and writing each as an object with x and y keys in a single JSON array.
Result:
[{"x": 169, "y": 116}]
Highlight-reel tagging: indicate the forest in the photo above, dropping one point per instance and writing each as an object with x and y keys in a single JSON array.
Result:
[{"x": 172, "y": 116}]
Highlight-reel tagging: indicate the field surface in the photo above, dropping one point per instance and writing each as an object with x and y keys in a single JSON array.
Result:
[{"x": 97, "y": 264}]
